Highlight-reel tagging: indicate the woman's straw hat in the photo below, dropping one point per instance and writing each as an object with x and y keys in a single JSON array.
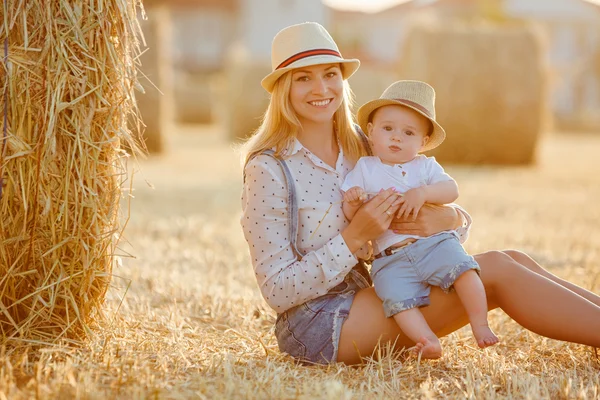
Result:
[
  {"x": 303, "y": 45},
  {"x": 416, "y": 95}
]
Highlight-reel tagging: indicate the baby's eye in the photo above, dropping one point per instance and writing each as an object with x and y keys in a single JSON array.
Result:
[
  {"x": 409, "y": 133},
  {"x": 387, "y": 128}
]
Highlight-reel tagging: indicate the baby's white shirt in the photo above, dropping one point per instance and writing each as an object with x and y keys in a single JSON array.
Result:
[{"x": 373, "y": 175}]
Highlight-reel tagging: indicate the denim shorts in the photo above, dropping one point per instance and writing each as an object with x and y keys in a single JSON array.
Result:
[
  {"x": 311, "y": 331},
  {"x": 404, "y": 279}
]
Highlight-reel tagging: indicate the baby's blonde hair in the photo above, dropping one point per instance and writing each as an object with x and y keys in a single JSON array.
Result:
[{"x": 280, "y": 125}]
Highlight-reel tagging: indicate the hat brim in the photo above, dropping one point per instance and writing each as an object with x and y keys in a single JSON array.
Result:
[
  {"x": 437, "y": 136},
  {"x": 348, "y": 66}
]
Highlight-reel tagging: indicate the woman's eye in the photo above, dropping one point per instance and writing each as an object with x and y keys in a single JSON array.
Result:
[
  {"x": 302, "y": 78},
  {"x": 331, "y": 74}
]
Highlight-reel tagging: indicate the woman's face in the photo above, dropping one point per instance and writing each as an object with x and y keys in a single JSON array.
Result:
[{"x": 316, "y": 92}]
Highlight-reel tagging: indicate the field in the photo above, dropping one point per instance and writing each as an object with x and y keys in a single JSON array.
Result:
[{"x": 186, "y": 319}]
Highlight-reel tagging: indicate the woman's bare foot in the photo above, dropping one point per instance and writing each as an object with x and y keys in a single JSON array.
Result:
[
  {"x": 484, "y": 336},
  {"x": 429, "y": 347}
]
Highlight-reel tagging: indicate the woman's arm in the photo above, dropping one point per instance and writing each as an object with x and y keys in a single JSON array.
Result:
[
  {"x": 433, "y": 219},
  {"x": 284, "y": 280}
]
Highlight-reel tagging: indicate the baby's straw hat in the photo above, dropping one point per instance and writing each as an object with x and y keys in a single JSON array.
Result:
[
  {"x": 412, "y": 94},
  {"x": 303, "y": 45}
]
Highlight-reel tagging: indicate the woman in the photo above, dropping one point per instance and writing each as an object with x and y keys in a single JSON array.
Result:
[{"x": 306, "y": 265}]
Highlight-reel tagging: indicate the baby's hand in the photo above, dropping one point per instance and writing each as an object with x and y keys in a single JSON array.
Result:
[
  {"x": 355, "y": 196},
  {"x": 412, "y": 201}
]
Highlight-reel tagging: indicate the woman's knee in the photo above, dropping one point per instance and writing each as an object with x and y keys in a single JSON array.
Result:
[
  {"x": 516, "y": 255},
  {"x": 524, "y": 259},
  {"x": 493, "y": 259},
  {"x": 493, "y": 264}
]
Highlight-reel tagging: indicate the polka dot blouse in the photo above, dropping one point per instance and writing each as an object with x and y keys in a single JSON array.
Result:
[{"x": 284, "y": 280}]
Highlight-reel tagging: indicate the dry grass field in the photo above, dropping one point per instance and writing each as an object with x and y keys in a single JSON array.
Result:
[{"x": 186, "y": 320}]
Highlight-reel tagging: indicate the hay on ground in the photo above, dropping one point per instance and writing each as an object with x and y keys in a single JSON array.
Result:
[
  {"x": 67, "y": 83},
  {"x": 492, "y": 89}
]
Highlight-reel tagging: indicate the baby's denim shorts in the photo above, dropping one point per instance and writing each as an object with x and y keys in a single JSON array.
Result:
[
  {"x": 311, "y": 331},
  {"x": 403, "y": 280}
]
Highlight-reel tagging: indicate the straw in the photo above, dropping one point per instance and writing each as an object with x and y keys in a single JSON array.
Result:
[{"x": 67, "y": 78}]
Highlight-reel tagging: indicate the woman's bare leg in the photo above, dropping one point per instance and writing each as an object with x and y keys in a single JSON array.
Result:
[
  {"x": 528, "y": 262},
  {"x": 533, "y": 300}
]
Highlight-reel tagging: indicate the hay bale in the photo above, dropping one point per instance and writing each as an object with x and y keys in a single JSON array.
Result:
[
  {"x": 244, "y": 99},
  {"x": 67, "y": 83},
  {"x": 155, "y": 104},
  {"x": 580, "y": 122},
  {"x": 369, "y": 82},
  {"x": 194, "y": 98},
  {"x": 492, "y": 89}
]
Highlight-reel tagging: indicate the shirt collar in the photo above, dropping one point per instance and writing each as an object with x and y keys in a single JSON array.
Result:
[
  {"x": 293, "y": 148},
  {"x": 296, "y": 146}
]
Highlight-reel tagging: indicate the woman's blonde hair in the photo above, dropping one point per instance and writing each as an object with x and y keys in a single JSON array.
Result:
[{"x": 280, "y": 125}]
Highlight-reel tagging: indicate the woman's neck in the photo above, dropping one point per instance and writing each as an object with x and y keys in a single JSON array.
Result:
[{"x": 320, "y": 139}]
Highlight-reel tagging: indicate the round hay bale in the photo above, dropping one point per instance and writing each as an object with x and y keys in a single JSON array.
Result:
[
  {"x": 68, "y": 90},
  {"x": 244, "y": 99},
  {"x": 194, "y": 99},
  {"x": 492, "y": 89},
  {"x": 155, "y": 103}
]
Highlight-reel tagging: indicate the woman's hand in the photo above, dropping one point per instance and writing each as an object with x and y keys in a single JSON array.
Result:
[
  {"x": 432, "y": 219},
  {"x": 372, "y": 219}
]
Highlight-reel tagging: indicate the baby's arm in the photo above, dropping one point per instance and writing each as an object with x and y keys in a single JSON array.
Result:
[
  {"x": 441, "y": 192},
  {"x": 437, "y": 193},
  {"x": 353, "y": 199}
]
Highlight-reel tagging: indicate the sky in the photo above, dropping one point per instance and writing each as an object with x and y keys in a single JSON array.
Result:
[
  {"x": 374, "y": 5},
  {"x": 363, "y": 5}
]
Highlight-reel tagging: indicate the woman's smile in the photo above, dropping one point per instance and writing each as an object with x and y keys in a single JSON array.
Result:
[{"x": 320, "y": 103}]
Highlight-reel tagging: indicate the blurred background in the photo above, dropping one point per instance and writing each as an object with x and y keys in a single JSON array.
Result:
[
  {"x": 518, "y": 85},
  {"x": 518, "y": 92},
  {"x": 504, "y": 70}
]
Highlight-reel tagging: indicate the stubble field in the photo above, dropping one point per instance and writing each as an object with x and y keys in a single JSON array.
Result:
[{"x": 186, "y": 319}]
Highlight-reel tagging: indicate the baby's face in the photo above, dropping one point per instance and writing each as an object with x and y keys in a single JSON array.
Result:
[{"x": 397, "y": 134}]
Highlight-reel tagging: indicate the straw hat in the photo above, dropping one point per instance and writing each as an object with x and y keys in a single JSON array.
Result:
[
  {"x": 302, "y": 45},
  {"x": 412, "y": 94}
]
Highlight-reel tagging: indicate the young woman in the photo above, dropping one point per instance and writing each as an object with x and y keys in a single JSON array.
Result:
[{"x": 307, "y": 269}]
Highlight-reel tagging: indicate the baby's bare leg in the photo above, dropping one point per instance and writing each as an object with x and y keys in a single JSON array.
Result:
[
  {"x": 471, "y": 292},
  {"x": 413, "y": 324}
]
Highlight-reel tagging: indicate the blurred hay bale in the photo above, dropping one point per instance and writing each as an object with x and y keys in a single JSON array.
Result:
[
  {"x": 369, "y": 82},
  {"x": 194, "y": 99},
  {"x": 155, "y": 104},
  {"x": 492, "y": 89},
  {"x": 582, "y": 122},
  {"x": 67, "y": 84},
  {"x": 244, "y": 100}
]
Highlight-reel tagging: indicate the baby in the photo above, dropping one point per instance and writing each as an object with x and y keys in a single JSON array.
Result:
[{"x": 399, "y": 125}]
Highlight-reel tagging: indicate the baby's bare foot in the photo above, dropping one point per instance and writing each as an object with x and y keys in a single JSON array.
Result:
[
  {"x": 429, "y": 348},
  {"x": 484, "y": 336}
]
